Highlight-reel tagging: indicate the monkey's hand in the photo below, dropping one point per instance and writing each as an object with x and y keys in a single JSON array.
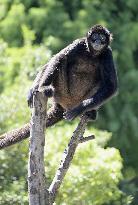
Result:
[
  {"x": 30, "y": 95},
  {"x": 73, "y": 113}
]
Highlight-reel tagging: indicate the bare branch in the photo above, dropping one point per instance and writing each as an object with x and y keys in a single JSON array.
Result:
[
  {"x": 14, "y": 136},
  {"x": 68, "y": 156},
  {"x": 36, "y": 170},
  {"x": 85, "y": 139}
]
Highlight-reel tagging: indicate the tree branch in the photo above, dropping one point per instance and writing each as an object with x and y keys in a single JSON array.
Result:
[
  {"x": 68, "y": 156},
  {"x": 85, "y": 139},
  {"x": 37, "y": 186},
  {"x": 36, "y": 169}
]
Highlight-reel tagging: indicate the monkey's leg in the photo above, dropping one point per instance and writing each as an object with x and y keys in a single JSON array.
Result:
[{"x": 54, "y": 115}]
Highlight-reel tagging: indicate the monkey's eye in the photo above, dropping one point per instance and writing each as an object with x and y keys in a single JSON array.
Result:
[
  {"x": 102, "y": 37},
  {"x": 95, "y": 36}
]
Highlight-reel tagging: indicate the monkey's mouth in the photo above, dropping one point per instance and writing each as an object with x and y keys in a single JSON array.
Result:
[{"x": 97, "y": 46}]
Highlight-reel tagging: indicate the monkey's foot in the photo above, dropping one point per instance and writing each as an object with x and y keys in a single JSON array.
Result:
[{"x": 91, "y": 115}]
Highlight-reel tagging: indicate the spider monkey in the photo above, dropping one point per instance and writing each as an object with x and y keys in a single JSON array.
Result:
[{"x": 80, "y": 78}]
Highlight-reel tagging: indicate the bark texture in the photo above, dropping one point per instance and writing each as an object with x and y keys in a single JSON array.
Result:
[
  {"x": 36, "y": 170},
  {"x": 14, "y": 136}
]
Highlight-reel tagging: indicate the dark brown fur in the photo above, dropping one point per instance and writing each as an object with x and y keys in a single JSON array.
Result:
[{"x": 78, "y": 83}]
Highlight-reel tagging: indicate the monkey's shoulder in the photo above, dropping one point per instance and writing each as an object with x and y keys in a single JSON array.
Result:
[{"x": 73, "y": 49}]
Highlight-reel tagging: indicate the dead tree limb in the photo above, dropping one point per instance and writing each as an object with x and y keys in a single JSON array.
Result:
[
  {"x": 36, "y": 169},
  {"x": 68, "y": 156},
  {"x": 39, "y": 194}
]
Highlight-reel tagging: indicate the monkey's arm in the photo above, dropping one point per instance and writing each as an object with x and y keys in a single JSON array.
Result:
[
  {"x": 108, "y": 88},
  {"x": 60, "y": 60},
  {"x": 44, "y": 79}
]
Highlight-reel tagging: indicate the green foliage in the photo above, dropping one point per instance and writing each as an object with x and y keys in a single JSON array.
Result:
[
  {"x": 21, "y": 65},
  {"x": 95, "y": 171},
  {"x": 11, "y": 25},
  {"x": 13, "y": 175}
]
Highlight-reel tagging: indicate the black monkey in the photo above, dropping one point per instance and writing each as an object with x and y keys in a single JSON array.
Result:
[{"x": 80, "y": 78}]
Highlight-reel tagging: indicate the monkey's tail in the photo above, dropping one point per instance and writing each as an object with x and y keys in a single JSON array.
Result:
[{"x": 14, "y": 136}]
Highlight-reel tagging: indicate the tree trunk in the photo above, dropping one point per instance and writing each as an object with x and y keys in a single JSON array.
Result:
[
  {"x": 39, "y": 193},
  {"x": 36, "y": 170}
]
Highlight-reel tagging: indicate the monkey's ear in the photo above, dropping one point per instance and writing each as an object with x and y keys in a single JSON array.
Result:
[
  {"x": 111, "y": 37},
  {"x": 88, "y": 34}
]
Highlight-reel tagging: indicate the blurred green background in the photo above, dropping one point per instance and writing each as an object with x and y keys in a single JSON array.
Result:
[{"x": 104, "y": 171}]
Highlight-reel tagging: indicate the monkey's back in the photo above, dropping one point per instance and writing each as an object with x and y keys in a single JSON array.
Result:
[{"x": 77, "y": 80}]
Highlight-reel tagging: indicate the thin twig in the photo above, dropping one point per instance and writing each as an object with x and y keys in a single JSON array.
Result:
[{"x": 85, "y": 139}]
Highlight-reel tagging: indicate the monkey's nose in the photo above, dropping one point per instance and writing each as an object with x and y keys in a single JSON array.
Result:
[
  {"x": 96, "y": 46},
  {"x": 98, "y": 42}
]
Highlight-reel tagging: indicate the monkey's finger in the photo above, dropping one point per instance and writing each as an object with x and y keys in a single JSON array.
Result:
[
  {"x": 30, "y": 97},
  {"x": 30, "y": 103}
]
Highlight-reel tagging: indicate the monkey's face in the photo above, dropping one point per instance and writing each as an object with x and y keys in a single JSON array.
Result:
[
  {"x": 98, "y": 38},
  {"x": 98, "y": 41}
]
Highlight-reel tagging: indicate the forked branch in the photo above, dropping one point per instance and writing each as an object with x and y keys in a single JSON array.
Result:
[
  {"x": 38, "y": 193},
  {"x": 68, "y": 156}
]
